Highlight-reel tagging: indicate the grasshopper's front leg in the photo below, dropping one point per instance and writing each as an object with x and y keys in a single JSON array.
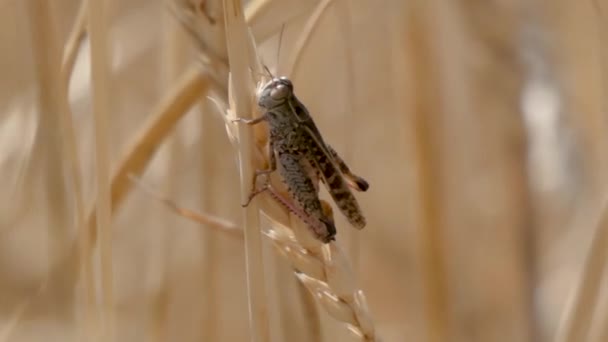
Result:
[{"x": 251, "y": 122}]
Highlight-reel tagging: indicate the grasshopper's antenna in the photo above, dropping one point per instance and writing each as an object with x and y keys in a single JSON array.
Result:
[
  {"x": 278, "y": 54},
  {"x": 258, "y": 74},
  {"x": 268, "y": 72},
  {"x": 280, "y": 43}
]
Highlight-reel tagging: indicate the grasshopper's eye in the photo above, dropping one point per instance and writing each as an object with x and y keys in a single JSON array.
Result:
[
  {"x": 280, "y": 92},
  {"x": 285, "y": 81}
]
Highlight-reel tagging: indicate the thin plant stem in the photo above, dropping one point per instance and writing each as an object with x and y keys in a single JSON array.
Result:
[
  {"x": 215, "y": 223},
  {"x": 70, "y": 53},
  {"x": 74, "y": 42},
  {"x": 100, "y": 71}
]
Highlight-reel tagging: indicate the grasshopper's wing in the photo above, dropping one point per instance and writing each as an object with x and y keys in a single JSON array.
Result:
[
  {"x": 323, "y": 160},
  {"x": 354, "y": 181}
]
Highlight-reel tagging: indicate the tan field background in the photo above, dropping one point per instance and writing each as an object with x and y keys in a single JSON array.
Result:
[{"x": 480, "y": 126}]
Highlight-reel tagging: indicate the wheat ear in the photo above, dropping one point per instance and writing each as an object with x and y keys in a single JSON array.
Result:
[{"x": 327, "y": 273}]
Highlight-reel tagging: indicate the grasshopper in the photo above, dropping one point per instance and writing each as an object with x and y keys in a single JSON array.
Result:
[{"x": 303, "y": 156}]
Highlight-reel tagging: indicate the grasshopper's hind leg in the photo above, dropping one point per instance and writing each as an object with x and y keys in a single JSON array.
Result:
[{"x": 271, "y": 161}]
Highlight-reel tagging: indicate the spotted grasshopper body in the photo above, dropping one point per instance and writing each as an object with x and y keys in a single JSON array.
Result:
[{"x": 302, "y": 155}]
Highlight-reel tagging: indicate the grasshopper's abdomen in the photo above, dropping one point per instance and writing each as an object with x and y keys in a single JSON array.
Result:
[{"x": 295, "y": 174}]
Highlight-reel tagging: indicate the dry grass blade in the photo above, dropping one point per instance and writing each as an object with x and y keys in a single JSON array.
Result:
[
  {"x": 217, "y": 223},
  {"x": 208, "y": 33},
  {"x": 186, "y": 92}
]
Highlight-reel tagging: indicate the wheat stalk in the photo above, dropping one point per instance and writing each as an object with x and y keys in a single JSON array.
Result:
[
  {"x": 70, "y": 53},
  {"x": 100, "y": 52},
  {"x": 240, "y": 50}
]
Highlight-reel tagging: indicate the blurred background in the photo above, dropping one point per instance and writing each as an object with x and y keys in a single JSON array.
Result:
[{"x": 480, "y": 127}]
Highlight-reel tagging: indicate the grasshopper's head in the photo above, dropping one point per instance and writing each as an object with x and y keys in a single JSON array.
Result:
[{"x": 275, "y": 93}]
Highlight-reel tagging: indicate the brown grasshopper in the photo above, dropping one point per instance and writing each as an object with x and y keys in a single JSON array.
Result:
[{"x": 303, "y": 156}]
